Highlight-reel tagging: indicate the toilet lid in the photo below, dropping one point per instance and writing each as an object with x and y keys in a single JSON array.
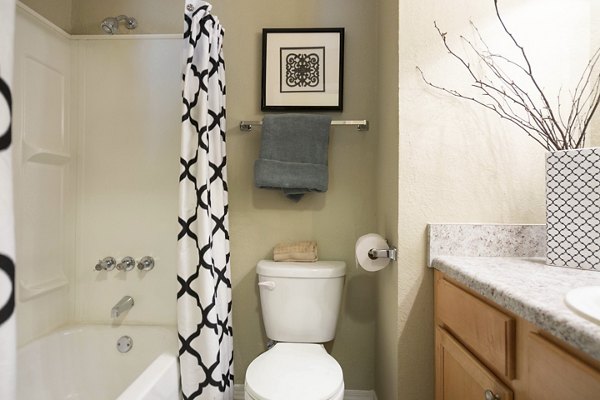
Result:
[{"x": 294, "y": 371}]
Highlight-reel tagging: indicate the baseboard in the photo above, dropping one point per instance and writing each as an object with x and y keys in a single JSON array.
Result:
[
  {"x": 238, "y": 394},
  {"x": 360, "y": 395}
]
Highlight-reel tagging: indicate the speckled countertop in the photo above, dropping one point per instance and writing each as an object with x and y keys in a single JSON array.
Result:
[{"x": 530, "y": 289}]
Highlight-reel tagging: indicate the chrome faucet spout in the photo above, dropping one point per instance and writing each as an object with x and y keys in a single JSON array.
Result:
[{"x": 123, "y": 305}]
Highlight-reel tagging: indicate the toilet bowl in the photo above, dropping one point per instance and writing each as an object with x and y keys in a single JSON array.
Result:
[
  {"x": 294, "y": 371},
  {"x": 300, "y": 303}
]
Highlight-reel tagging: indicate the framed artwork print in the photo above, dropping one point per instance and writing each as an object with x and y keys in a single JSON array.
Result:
[{"x": 302, "y": 69}]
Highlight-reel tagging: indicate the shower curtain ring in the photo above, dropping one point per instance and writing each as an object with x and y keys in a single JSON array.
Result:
[{"x": 190, "y": 7}]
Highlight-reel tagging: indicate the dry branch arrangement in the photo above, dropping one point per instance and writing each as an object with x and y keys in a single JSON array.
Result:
[{"x": 508, "y": 87}]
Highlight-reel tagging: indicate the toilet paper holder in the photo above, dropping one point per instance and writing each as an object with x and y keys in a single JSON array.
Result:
[{"x": 383, "y": 253}]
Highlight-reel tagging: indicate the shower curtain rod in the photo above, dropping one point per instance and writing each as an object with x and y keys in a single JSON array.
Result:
[{"x": 361, "y": 125}]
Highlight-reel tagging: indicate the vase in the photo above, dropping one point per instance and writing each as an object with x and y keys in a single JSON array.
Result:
[{"x": 573, "y": 208}]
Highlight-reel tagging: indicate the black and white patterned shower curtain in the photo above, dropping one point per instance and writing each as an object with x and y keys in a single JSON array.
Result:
[
  {"x": 7, "y": 239},
  {"x": 204, "y": 296}
]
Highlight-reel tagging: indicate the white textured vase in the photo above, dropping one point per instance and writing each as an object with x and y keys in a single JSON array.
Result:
[{"x": 573, "y": 208}]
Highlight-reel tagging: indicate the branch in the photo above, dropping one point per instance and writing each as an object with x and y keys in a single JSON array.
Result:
[
  {"x": 592, "y": 98},
  {"x": 589, "y": 115},
  {"x": 500, "y": 92},
  {"x": 543, "y": 130},
  {"x": 498, "y": 110},
  {"x": 529, "y": 69}
]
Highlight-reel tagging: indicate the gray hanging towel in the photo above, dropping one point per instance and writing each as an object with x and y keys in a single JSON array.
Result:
[{"x": 293, "y": 154}]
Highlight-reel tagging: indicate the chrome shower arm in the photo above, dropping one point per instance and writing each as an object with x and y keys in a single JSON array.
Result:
[{"x": 130, "y": 22}]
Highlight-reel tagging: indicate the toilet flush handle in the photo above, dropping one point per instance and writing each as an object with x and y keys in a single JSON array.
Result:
[{"x": 267, "y": 284}]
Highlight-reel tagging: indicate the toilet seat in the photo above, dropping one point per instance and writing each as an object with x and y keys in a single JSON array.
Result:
[{"x": 294, "y": 371}]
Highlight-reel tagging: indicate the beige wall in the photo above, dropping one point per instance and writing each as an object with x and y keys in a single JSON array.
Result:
[
  {"x": 386, "y": 359},
  {"x": 457, "y": 162},
  {"x": 261, "y": 218},
  {"x": 56, "y": 11}
]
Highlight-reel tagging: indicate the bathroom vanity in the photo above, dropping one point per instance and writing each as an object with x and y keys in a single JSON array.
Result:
[{"x": 502, "y": 331}]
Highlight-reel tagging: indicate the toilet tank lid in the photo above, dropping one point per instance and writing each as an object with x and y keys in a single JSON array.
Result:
[{"x": 287, "y": 269}]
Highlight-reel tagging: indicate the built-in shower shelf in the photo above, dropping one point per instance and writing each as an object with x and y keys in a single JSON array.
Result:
[
  {"x": 29, "y": 291},
  {"x": 44, "y": 156}
]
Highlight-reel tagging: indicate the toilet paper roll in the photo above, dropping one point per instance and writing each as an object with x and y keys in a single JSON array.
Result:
[{"x": 366, "y": 243}]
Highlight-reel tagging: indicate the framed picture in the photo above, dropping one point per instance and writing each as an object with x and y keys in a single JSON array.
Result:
[{"x": 302, "y": 69}]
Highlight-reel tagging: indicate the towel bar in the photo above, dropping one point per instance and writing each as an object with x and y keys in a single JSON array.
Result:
[{"x": 361, "y": 125}]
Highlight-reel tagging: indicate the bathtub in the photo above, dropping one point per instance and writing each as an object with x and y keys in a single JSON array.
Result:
[{"x": 82, "y": 362}]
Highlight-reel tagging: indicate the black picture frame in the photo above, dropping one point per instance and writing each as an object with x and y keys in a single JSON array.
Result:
[{"x": 302, "y": 69}]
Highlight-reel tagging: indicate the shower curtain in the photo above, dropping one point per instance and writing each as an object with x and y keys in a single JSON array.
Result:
[
  {"x": 7, "y": 244},
  {"x": 204, "y": 296}
]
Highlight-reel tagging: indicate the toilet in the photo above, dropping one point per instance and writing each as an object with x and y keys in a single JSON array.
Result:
[{"x": 300, "y": 304}]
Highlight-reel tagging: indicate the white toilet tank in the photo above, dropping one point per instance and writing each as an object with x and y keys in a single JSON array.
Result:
[{"x": 300, "y": 301}]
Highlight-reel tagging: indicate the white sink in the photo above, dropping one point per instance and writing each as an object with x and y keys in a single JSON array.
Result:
[{"x": 585, "y": 301}]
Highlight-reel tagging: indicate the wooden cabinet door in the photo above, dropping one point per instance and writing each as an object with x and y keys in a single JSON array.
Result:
[
  {"x": 554, "y": 374},
  {"x": 488, "y": 332},
  {"x": 460, "y": 376}
]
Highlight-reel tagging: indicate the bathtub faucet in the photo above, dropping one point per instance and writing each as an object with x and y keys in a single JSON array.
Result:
[{"x": 123, "y": 305}]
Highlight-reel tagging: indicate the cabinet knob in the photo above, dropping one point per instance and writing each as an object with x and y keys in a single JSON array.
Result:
[{"x": 489, "y": 395}]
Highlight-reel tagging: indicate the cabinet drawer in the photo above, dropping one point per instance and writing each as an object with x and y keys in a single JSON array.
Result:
[
  {"x": 486, "y": 331},
  {"x": 460, "y": 376},
  {"x": 554, "y": 374}
]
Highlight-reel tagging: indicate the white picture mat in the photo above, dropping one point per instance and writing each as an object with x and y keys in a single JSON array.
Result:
[{"x": 331, "y": 41}]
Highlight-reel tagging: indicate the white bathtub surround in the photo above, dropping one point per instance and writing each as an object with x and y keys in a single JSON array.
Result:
[
  {"x": 204, "y": 316},
  {"x": 88, "y": 141},
  {"x": 44, "y": 174},
  {"x": 7, "y": 244},
  {"x": 82, "y": 362},
  {"x": 573, "y": 208}
]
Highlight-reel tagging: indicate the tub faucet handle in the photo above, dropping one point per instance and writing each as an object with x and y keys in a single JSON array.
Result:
[
  {"x": 106, "y": 264},
  {"x": 146, "y": 263},
  {"x": 126, "y": 264}
]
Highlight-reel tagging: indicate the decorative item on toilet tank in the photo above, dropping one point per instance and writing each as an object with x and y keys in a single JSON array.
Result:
[{"x": 573, "y": 208}]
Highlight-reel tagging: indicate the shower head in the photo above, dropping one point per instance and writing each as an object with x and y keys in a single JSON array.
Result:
[{"x": 110, "y": 25}]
